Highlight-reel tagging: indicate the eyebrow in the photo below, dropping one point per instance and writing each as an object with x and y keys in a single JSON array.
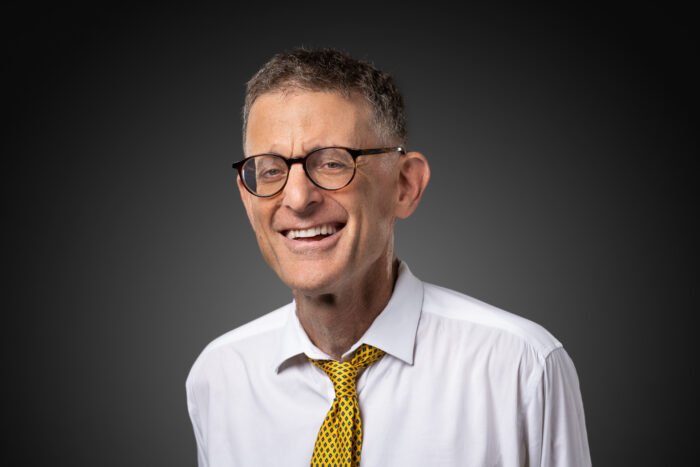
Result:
[{"x": 314, "y": 148}]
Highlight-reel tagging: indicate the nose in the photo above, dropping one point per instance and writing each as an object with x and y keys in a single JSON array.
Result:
[{"x": 300, "y": 194}]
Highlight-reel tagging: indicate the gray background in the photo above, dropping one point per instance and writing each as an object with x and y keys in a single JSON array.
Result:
[{"x": 559, "y": 141}]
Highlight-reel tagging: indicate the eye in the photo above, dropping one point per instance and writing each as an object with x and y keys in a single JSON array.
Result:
[
  {"x": 268, "y": 173},
  {"x": 269, "y": 169},
  {"x": 333, "y": 165},
  {"x": 330, "y": 161}
]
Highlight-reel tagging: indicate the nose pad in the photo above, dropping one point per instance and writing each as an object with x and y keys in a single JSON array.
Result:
[{"x": 300, "y": 193}]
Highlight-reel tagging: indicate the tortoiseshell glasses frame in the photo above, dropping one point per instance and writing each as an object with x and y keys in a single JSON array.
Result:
[{"x": 332, "y": 168}]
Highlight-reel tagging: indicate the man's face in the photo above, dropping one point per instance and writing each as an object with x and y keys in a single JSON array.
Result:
[{"x": 356, "y": 222}]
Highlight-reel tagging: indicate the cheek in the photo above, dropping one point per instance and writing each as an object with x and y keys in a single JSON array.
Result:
[
  {"x": 260, "y": 226},
  {"x": 377, "y": 213},
  {"x": 384, "y": 200}
]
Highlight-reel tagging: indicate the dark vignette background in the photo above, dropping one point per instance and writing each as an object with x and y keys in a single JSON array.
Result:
[{"x": 560, "y": 144}]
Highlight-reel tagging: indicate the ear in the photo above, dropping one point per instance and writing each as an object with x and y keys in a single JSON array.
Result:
[
  {"x": 246, "y": 198},
  {"x": 414, "y": 173}
]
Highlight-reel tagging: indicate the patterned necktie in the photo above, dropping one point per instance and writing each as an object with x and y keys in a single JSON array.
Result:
[{"x": 339, "y": 440}]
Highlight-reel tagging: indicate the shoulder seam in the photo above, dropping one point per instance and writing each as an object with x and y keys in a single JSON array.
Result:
[
  {"x": 541, "y": 352},
  {"x": 532, "y": 334},
  {"x": 540, "y": 379}
]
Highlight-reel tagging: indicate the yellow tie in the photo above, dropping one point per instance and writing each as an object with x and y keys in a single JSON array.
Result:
[{"x": 339, "y": 440}]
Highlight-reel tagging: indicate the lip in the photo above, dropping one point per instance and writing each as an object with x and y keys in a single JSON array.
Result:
[
  {"x": 304, "y": 245},
  {"x": 321, "y": 227}
]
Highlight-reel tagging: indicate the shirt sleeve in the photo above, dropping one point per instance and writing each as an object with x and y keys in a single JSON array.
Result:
[
  {"x": 193, "y": 409},
  {"x": 555, "y": 423}
]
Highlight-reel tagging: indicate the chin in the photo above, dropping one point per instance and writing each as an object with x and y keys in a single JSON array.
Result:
[{"x": 309, "y": 279}]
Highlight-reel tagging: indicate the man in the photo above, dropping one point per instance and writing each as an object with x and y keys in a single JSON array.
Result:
[{"x": 368, "y": 363}]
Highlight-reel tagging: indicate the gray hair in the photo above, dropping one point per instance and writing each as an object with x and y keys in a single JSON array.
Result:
[{"x": 334, "y": 71}]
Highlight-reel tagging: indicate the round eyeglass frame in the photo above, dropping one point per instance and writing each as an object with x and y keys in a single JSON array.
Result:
[{"x": 354, "y": 153}]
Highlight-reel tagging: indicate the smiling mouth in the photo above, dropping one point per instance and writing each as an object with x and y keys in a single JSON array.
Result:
[{"x": 318, "y": 232}]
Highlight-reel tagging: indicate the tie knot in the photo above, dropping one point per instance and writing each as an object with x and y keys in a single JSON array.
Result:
[{"x": 344, "y": 374}]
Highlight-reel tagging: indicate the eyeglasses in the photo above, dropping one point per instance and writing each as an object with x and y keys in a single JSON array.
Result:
[{"x": 330, "y": 168}]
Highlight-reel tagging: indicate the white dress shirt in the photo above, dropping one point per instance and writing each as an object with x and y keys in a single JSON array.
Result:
[{"x": 462, "y": 384}]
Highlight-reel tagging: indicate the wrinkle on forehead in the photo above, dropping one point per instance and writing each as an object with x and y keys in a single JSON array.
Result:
[{"x": 293, "y": 122}]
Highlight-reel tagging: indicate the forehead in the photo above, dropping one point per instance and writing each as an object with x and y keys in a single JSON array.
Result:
[{"x": 302, "y": 120}]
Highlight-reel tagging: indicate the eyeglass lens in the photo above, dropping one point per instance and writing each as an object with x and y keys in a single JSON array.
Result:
[{"x": 329, "y": 168}]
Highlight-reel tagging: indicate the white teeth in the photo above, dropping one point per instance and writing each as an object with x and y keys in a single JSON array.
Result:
[{"x": 325, "y": 229}]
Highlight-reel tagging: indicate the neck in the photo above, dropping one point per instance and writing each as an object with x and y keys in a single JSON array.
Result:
[{"x": 335, "y": 321}]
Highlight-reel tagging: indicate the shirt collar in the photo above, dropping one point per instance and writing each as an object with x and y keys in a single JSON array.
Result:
[{"x": 393, "y": 331}]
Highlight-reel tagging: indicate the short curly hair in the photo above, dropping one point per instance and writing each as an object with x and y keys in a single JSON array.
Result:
[{"x": 335, "y": 71}]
